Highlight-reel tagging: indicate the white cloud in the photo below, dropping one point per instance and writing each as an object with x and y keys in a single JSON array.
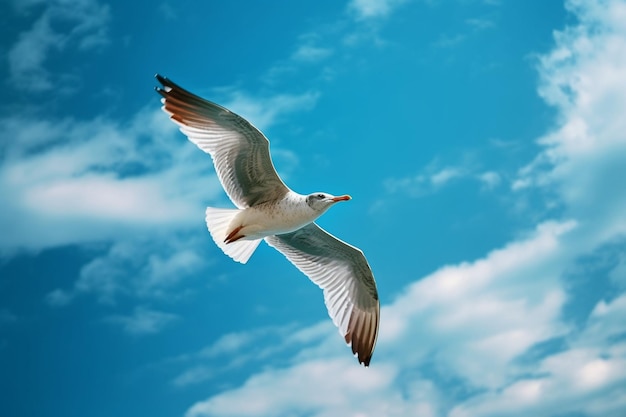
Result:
[
  {"x": 65, "y": 181},
  {"x": 142, "y": 321},
  {"x": 311, "y": 48},
  {"x": 27, "y": 56},
  {"x": 87, "y": 25},
  {"x": 443, "y": 176},
  {"x": 588, "y": 377},
  {"x": 366, "y": 9},
  {"x": 288, "y": 392},
  {"x": 490, "y": 179},
  {"x": 230, "y": 343},
  {"x": 583, "y": 77},
  {"x": 605, "y": 323},
  {"x": 488, "y": 309},
  {"x": 152, "y": 267},
  {"x": 449, "y": 41},
  {"x": 247, "y": 347},
  {"x": 59, "y": 298},
  {"x": 618, "y": 274},
  {"x": 193, "y": 376},
  {"x": 480, "y": 23},
  {"x": 136, "y": 188},
  {"x": 264, "y": 112},
  {"x": 430, "y": 179},
  {"x": 310, "y": 53}
]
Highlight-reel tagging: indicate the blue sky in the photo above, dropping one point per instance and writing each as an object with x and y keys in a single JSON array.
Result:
[{"x": 482, "y": 142}]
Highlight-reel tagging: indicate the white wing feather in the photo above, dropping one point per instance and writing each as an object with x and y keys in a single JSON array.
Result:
[
  {"x": 240, "y": 151},
  {"x": 346, "y": 279}
]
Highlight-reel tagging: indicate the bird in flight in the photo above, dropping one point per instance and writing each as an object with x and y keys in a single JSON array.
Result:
[{"x": 268, "y": 210}]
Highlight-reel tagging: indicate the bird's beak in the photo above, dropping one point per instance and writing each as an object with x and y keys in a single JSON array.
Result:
[{"x": 341, "y": 198}]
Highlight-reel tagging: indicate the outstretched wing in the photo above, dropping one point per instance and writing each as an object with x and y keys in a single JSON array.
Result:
[
  {"x": 342, "y": 271},
  {"x": 240, "y": 151}
]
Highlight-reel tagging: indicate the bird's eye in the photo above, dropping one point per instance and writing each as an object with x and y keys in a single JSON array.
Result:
[{"x": 320, "y": 196}]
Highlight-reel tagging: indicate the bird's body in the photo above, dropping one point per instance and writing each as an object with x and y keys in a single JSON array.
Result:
[
  {"x": 274, "y": 217},
  {"x": 268, "y": 210}
]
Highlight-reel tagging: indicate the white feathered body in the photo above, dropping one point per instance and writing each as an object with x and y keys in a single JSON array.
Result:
[{"x": 276, "y": 217}]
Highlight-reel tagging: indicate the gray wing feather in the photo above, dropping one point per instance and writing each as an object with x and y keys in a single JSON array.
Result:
[
  {"x": 240, "y": 151},
  {"x": 343, "y": 273}
]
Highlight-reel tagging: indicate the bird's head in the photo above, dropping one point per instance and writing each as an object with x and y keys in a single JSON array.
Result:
[{"x": 322, "y": 201}]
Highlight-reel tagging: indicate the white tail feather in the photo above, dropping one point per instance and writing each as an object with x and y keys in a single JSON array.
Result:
[{"x": 217, "y": 221}]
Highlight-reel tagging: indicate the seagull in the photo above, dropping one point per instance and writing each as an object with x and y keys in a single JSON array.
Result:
[{"x": 268, "y": 210}]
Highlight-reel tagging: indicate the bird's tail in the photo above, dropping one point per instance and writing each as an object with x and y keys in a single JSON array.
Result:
[{"x": 218, "y": 220}]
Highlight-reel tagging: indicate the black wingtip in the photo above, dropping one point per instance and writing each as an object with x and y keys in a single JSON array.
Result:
[
  {"x": 162, "y": 80},
  {"x": 165, "y": 83}
]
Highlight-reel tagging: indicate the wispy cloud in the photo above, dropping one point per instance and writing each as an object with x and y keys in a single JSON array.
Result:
[
  {"x": 588, "y": 377},
  {"x": 289, "y": 392},
  {"x": 368, "y": 9},
  {"x": 475, "y": 25},
  {"x": 266, "y": 111},
  {"x": 329, "y": 44},
  {"x": 167, "y": 11},
  {"x": 231, "y": 343},
  {"x": 467, "y": 303},
  {"x": 480, "y": 23},
  {"x": 192, "y": 376},
  {"x": 429, "y": 180},
  {"x": 583, "y": 77},
  {"x": 253, "y": 348},
  {"x": 152, "y": 267},
  {"x": 490, "y": 179},
  {"x": 65, "y": 181},
  {"x": 442, "y": 177},
  {"x": 310, "y": 53},
  {"x": 312, "y": 49},
  {"x": 59, "y": 297},
  {"x": 449, "y": 41},
  {"x": 87, "y": 26},
  {"x": 143, "y": 321},
  {"x": 27, "y": 56}
]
